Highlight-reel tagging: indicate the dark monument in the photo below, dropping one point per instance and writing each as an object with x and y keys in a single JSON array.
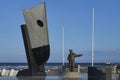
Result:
[
  {"x": 36, "y": 41},
  {"x": 71, "y": 58},
  {"x": 100, "y": 73}
]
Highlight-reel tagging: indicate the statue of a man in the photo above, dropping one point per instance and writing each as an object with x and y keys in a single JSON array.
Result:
[{"x": 71, "y": 57}]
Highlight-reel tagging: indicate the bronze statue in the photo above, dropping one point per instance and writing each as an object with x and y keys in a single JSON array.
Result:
[{"x": 71, "y": 57}]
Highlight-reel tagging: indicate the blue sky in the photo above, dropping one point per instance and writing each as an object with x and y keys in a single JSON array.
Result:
[{"x": 76, "y": 17}]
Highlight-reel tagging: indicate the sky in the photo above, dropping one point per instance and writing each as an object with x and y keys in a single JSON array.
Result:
[{"x": 76, "y": 18}]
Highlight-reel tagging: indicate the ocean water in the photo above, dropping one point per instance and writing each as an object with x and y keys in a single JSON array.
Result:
[
  {"x": 21, "y": 66},
  {"x": 51, "y": 64}
]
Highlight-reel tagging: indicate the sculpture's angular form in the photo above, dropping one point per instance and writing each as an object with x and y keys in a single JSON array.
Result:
[{"x": 35, "y": 36}]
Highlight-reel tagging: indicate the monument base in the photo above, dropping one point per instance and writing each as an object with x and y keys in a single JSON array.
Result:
[
  {"x": 100, "y": 73},
  {"x": 28, "y": 72},
  {"x": 71, "y": 75}
]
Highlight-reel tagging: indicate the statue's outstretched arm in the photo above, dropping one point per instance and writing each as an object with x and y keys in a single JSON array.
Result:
[{"x": 78, "y": 55}]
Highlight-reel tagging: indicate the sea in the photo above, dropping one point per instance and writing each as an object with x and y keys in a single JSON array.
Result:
[{"x": 21, "y": 66}]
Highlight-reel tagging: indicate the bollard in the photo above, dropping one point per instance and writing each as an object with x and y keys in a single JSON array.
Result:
[
  {"x": 78, "y": 68},
  {"x": 115, "y": 70}
]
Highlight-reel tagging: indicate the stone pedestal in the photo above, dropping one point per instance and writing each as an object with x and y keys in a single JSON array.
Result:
[{"x": 71, "y": 75}]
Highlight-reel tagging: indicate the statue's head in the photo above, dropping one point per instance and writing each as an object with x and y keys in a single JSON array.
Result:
[{"x": 70, "y": 51}]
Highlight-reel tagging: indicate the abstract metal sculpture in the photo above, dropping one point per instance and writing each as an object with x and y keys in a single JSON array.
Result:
[{"x": 36, "y": 41}]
